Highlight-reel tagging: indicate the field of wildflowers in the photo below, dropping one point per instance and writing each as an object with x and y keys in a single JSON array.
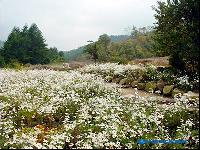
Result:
[
  {"x": 49, "y": 109},
  {"x": 143, "y": 74}
]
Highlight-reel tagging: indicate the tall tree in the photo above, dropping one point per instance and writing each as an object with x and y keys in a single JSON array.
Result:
[
  {"x": 177, "y": 33},
  {"x": 92, "y": 50},
  {"x": 12, "y": 48},
  {"x": 103, "y": 47},
  {"x": 37, "y": 50},
  {"x": 26, "y": 45}
]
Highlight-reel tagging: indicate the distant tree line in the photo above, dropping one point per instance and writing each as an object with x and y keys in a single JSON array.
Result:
[
  {"x": 73, "y": 54},
  {"x": 79, "y": 53},
  {"x": 137, "y": 45},
  {"x": 27, "y": 45}
]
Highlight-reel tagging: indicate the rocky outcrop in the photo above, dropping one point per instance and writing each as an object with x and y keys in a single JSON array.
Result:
[
  {"x": 141, "y": 86},
  {"x": 150, "y": 87},
  {"x": 167, "y": 90},
  {"x": 160, "y": 85},
  {"x": 134, "y": 84}
]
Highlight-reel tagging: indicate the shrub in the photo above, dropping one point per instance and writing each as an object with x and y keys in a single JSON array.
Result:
[
  {"x": 14, "y": 64},
  {"x": 2, "y": 62}
]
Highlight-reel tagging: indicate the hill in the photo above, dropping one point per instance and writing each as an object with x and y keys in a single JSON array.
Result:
[
  {"x": 79, "y": 52},
  {"x": 73, "y": 54},
  {"x": 118, "y": 38}
]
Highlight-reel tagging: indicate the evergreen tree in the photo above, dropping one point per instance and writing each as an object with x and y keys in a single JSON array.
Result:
[
  {"x": 26, "y": 46},
  {"x": 177, "y": 33}
]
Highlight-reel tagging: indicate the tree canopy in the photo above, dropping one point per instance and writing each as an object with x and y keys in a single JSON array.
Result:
[
  {"x": 177, "y": 33},
  {"x": 27, "y": 45},
  {"x": 138, "y": 45}
]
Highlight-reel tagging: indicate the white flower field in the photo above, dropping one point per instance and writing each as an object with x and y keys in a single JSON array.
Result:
[{"x": 48, "y": 109}]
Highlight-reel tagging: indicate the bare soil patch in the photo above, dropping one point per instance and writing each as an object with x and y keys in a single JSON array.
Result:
[{"x": 156, "y": 61}]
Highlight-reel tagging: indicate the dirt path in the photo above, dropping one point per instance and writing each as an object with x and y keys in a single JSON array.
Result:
[{"x": 129, "y": 92}]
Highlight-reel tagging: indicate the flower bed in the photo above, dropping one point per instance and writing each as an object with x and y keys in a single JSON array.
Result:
[
  {"x": 56, "y": 109},
  {"x": 149, "y": 78}
]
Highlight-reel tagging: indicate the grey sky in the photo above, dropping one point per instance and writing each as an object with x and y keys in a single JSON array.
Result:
[{"x": 68, "y": 24}]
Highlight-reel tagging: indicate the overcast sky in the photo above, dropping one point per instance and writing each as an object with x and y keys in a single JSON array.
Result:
[{"x": 68, "y": 24}]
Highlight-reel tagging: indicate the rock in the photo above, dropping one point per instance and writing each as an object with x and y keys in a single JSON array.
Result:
[
  {"x": 141, "y": 86},
  {"x": 160, "y": 85},
  {"x": 123, "y": 81},
  {"x": 134, "y": 84},
  {"x": 150, "y": 87},
  {"x": 137, "y": 74},
  {"x": 168, "y": 89},
  {"x": 158, "y": 92},
  {"x": 126, "y": 81},
  {"x": 191, "y": 95},
  {"x": 108, "y": 78},
  {"x": 176, "y": 91},
  {"x": 116, "y": 80}
]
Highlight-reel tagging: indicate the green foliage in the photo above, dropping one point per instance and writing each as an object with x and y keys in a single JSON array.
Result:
[
  {"x": 2, "y": 61},
  {"x": 124, "y": 48},
  {"x": 177, "y": 33},
  {"x": 14, "y": 64},
  {"x": 92, "y": 50},
  {"x": 73, "y": 54},
  {"x": 172, "y": 120},
  {"x": 102, "y": 46},
  {"x": 118, "y": 38},
  {"x": 27, "y": 45},
  {"x": 54, "y": 55}
]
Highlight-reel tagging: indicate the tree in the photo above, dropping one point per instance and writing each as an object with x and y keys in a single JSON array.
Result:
[
  {"x": 12, "y": 47},
  {"x": 134, "y": 32},
  {"x": 2, "y": 62},
  {"x": 177, "y": 33},
  {"x": 102, "y": 46},
  {"x": 37, "y": 50},
  {"x": 124, "y": 50},
  {"x": 26, "y": 46},
  {"x": 92, "y": 50}
]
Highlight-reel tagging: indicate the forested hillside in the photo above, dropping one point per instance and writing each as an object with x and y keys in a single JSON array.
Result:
[
  {"x": 73, "y": 54},
  {"x": 118, "y": 38},
  {"x": 117, "y": 48},
  {"x": 79, "y": 52},
  {"x": 124, "y": 48}
]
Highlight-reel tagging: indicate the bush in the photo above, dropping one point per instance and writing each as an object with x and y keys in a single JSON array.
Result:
[
  {"x": 14, "y": 64},
  {"x": 2, "y": 62},
  {"x": 151, "y": 74}
]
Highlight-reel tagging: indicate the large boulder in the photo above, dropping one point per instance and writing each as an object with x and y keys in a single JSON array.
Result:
[
  {"x": 116, "y": 80},
  {"x": 137, "y": 74},
  {"x": 167, "y": 90},
  {"x": 141, "y": 86},
  {"x": 123, "y": 81},
  {"x": 134, "y": 84},
  {"x": 160, "y": 85},
  {"x": 150, "y": 87}
]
